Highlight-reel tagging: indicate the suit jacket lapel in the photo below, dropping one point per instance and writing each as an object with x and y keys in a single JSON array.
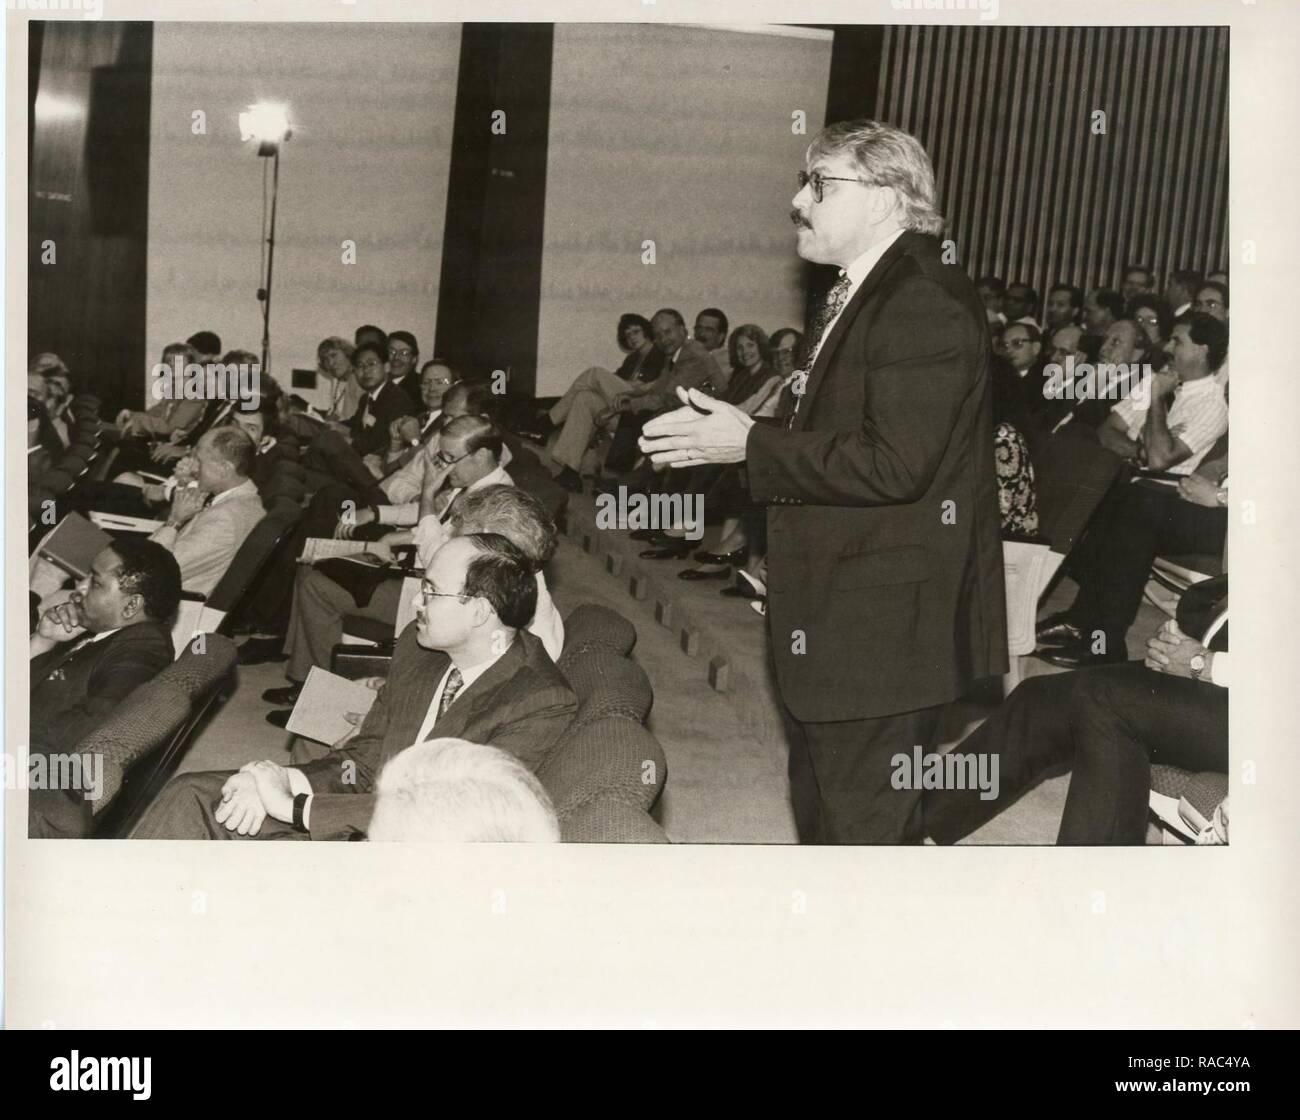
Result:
[
  {"x": 468, "y": 704},
  {"x": 408, "y": 715},
  {"x": 869, "y": 284}
]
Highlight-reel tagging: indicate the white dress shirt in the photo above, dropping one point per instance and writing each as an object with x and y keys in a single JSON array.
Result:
[{"x": 1197, "y": 417}]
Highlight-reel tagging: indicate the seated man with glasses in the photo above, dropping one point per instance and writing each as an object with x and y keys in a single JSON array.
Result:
[
  {"x": 465, "y": 669},
  {"x": 468, "y": 458},
  {"x": 403, "y": 361}
]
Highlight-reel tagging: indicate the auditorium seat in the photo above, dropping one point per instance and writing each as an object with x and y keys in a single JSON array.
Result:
[{"x": 145, "y": 738}]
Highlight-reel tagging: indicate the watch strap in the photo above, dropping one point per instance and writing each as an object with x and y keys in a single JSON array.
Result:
[{"x": 299, "y": 806}]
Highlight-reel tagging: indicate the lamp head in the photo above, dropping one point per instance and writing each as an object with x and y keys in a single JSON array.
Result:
[{"x": 267, "y": 122}]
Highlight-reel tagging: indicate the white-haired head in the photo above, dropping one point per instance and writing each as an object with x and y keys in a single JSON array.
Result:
[
  {"x": 450, "y": 790},
  {"x": 888, "y": 157}
]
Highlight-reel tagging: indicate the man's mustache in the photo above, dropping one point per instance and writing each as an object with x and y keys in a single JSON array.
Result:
[{"x": 799, "y": 219}]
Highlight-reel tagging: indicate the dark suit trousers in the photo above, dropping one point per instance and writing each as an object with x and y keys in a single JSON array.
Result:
[
  {"x": 332, "y": 458},
  {"x": 1108, "y": 725},
  {"x": 840, "y": 774},
  {"x": 1135, "y": 523},
  {"x": 185, "y": 810}
]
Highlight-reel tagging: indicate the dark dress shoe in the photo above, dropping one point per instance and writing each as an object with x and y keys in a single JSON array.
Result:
[
  {"x": 1079, "y": 655},
  {"x": 279, "y": 718},
  {"x": 1058, "y": 634},
  {"x": 287, "y": 695},
  {"x": 570, "y": 479},
  {"x": 259, "y": 651},
  {"x": 735, "y": 556},
  {"x": 673, "y": 549},
  {"x": 646, "y": 534},
  {"x": 698, "y": 574}
]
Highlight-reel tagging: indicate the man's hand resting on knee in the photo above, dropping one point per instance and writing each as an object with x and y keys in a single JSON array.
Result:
[{"x": 241, "y": 809}]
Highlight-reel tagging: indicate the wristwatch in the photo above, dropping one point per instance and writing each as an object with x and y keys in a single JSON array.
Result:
[
  {"x": 299, "y": 804},
  {"x": 1197, "y": 665}
]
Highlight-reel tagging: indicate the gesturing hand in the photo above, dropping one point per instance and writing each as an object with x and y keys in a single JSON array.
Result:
[
  {"x": 705, "y": 431},
  {"x": 241, "y": 809}
]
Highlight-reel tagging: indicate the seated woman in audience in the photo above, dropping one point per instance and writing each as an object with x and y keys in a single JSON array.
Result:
[
  {"x": 637, "y": 341},
  {"x": 1015, "y": 473},
  {"x": 334, "y": 363}
]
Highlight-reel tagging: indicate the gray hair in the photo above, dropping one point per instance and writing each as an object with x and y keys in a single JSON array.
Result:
[
  {"x": 517, "y": 515},
  {"x": 887, "y": 157},
  {"x": 454, "y": 791}
]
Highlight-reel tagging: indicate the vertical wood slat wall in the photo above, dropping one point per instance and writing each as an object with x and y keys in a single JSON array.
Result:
[{"x": 1028, "y": 190}]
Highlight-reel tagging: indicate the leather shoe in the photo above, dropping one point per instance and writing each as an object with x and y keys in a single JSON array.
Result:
[
  {"x": 1079, "y": 655},
  {"x": 673, "y": 549},
  {"x": 1058, "y": 634},
  {"x": 279, "y": 718},
  {"x": 700, "y": 573},
  {"x": 287, "y": 695},
  {"x": 735, "y": 556},
  {"x": 646, "y": 535}
]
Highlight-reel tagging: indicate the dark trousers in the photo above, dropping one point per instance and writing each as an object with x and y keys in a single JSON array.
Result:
[
  {"x": 1135, "y": 523},
  {"x": 1108, "y": 725},
  {"x": 185, "y": 810},
  {"x": 840, "y": 778},
  {"x": 332, "y": 458}
]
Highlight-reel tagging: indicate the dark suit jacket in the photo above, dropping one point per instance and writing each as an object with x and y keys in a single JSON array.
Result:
[
  {"x": 521, "y": 704},
  {"x": 74, "y": 690},
  {"x": 372, "y": 439},
  {"x": 693, "y": 368},
  {"x": 898, "y": 609}
]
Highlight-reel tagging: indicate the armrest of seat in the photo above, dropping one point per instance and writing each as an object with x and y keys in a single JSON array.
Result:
[{"x": 357, "y": 661}]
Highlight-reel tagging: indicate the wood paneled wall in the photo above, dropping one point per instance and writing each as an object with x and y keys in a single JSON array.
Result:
[
  {"x": 1030, "y": 189},
  {"x": 88, "y": 156}
]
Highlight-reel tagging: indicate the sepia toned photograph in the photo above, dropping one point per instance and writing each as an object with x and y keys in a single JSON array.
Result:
[
  {"x": 630, "y": 433},
  {"x": 706, "y": 469}
]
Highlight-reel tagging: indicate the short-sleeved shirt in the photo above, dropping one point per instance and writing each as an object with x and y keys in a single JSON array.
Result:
[{"x": 1198, "y": 416}]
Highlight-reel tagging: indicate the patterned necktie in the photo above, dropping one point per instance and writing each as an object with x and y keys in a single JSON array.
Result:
[
  {"x": 449, "y": 691},
  {"x": 831, "y": 306}
]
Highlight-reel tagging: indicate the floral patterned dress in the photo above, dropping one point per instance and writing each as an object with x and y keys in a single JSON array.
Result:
[{"x": 1015, "y": 481}]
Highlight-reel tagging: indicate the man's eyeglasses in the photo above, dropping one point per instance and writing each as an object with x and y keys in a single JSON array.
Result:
[
  {"x": 1017, "y": 343},
  {"x": 370, "y": 367},
  {"x": 818, "y": 182},
  {"x": 427, "y": 592},
  {"x": 445, "y": 460}
]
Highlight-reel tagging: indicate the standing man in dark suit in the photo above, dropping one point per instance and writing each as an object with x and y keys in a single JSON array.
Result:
[
  {"x": 89, "y": 653},
  {"x": 885, "y": 580},
  {"x": 465, "y": 669}
]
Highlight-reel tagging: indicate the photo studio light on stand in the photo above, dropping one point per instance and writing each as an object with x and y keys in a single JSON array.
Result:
[{"x": 268, "y": 124}]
